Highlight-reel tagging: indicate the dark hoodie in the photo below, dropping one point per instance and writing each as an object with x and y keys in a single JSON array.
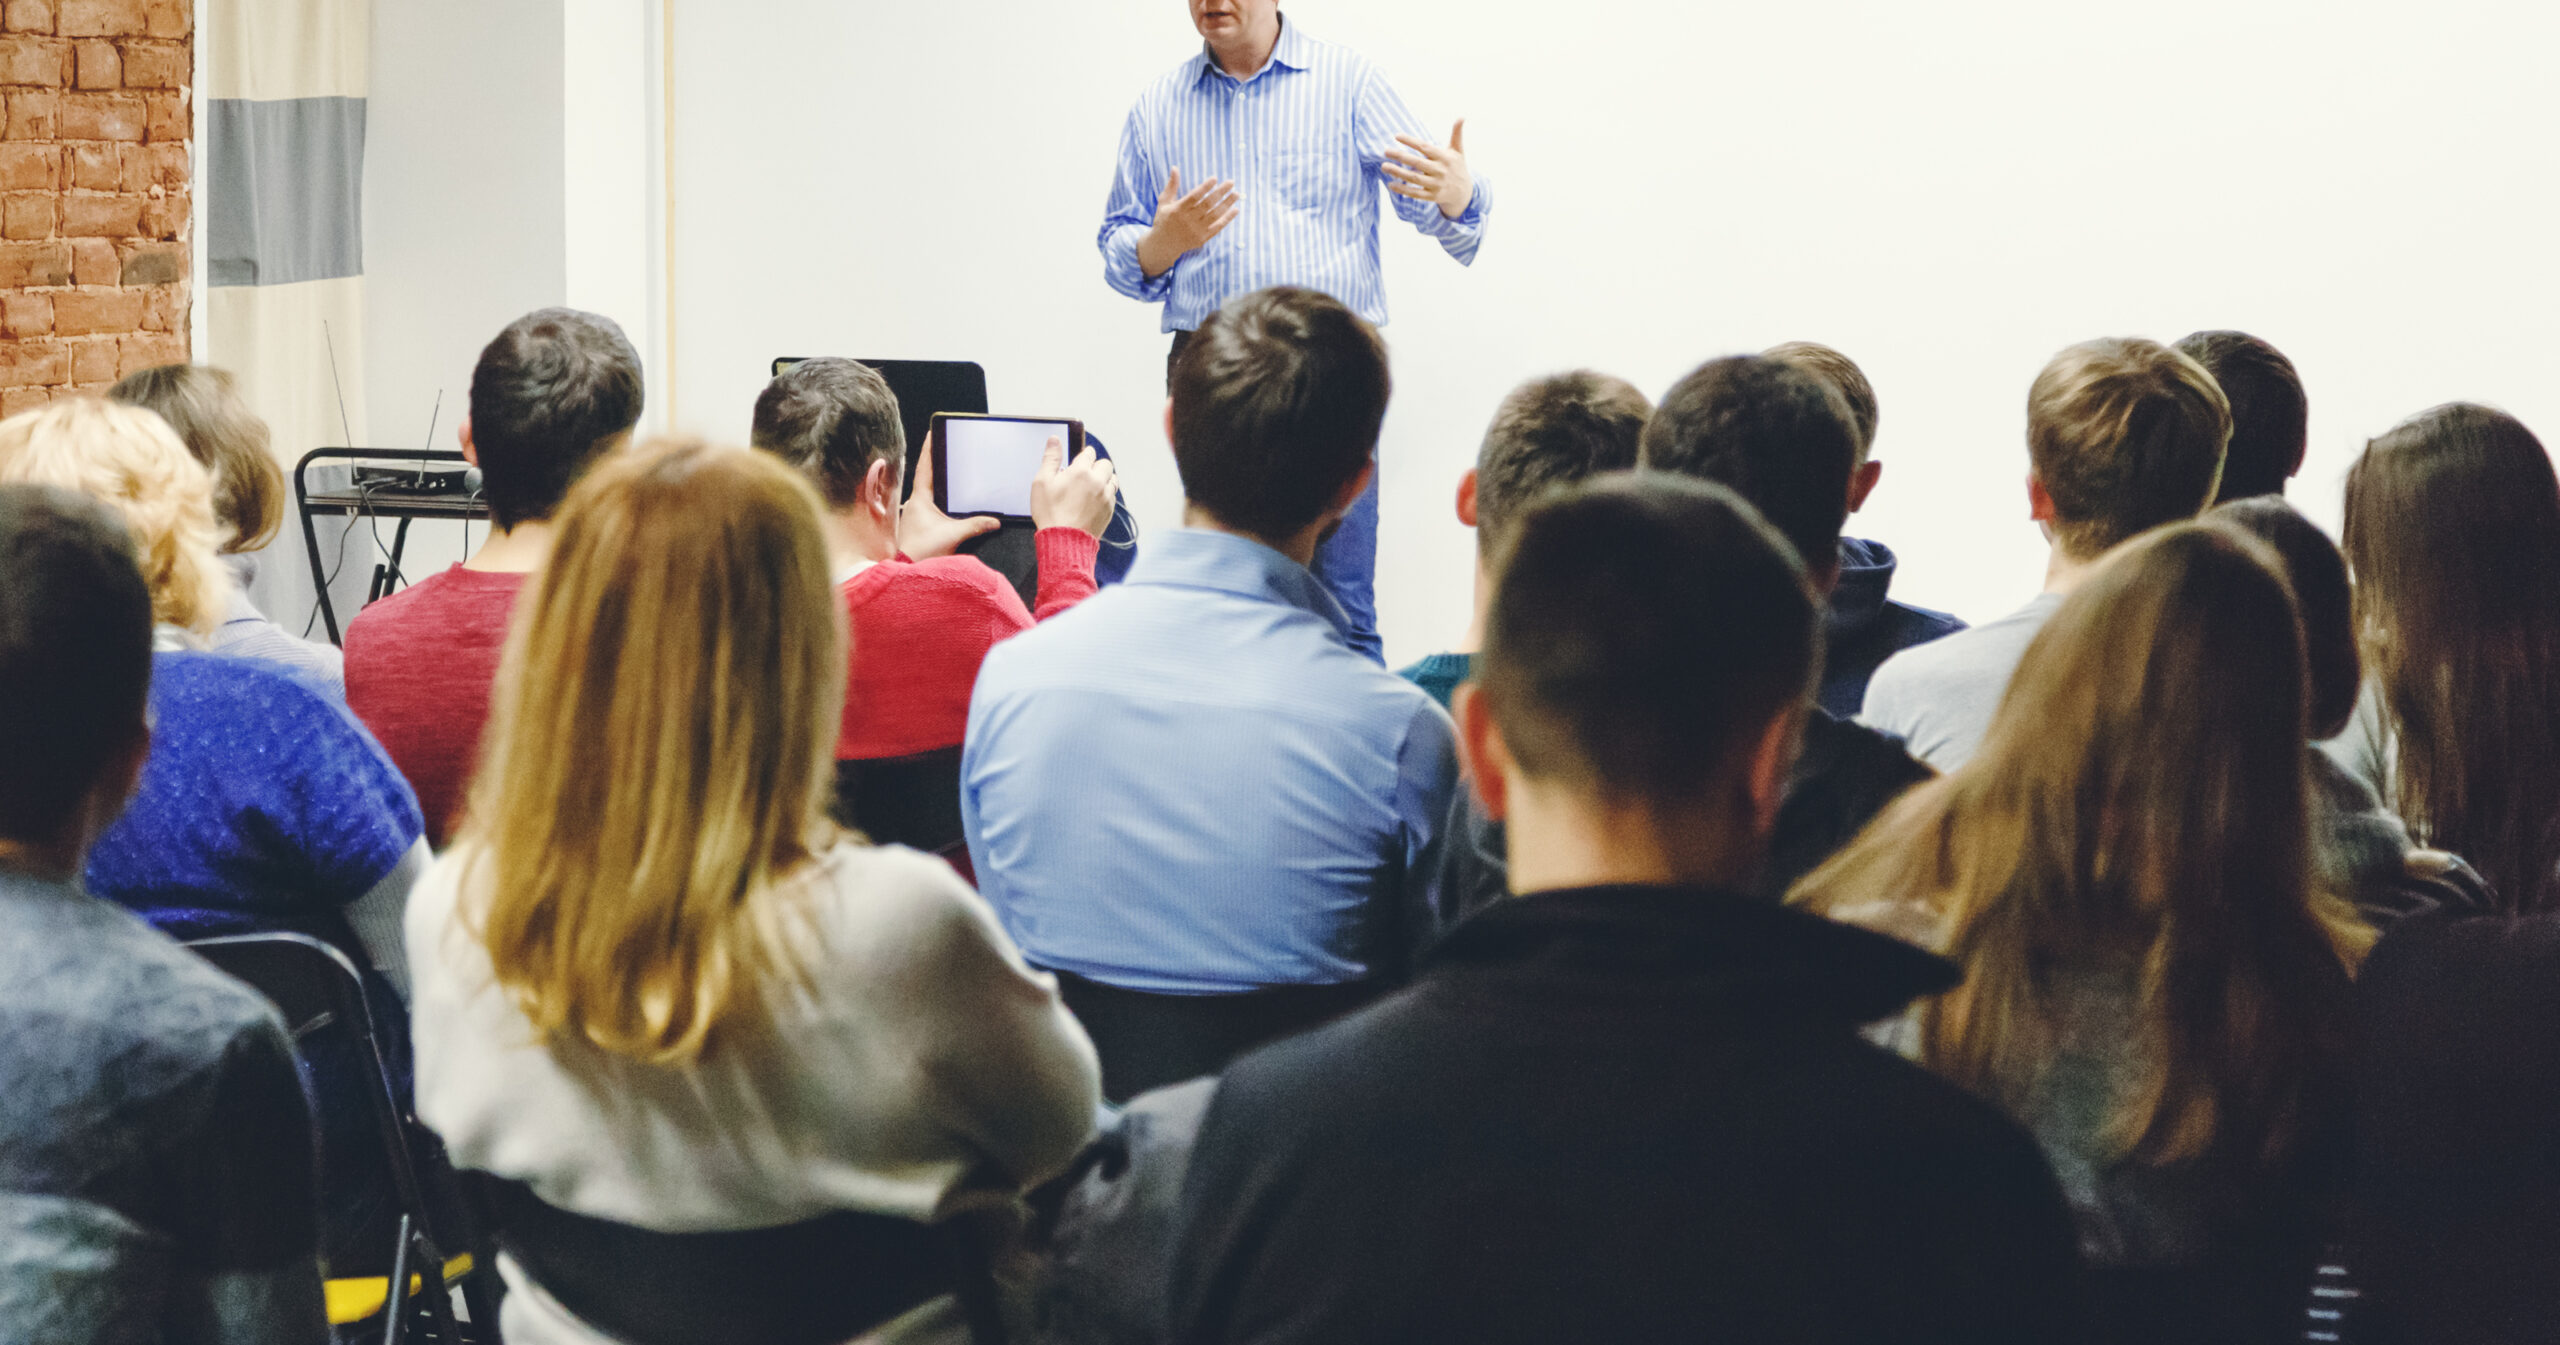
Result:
[
  {"x": 1864, "y": 627},
  {"x": 1621, "y": 1114}
]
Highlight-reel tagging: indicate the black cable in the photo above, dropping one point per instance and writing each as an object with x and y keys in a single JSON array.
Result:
[{"x": 326, "y": 584}]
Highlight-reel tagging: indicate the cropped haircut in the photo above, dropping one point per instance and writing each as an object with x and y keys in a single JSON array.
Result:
[
  {"x": 1772, "y": 432},
  {"x": 1277, "y": 402},
  {"x": 1845, "y": 378},
  {"x": 549, "y": 395},
  {"x": 1644, "y": 631},
  {"x": 2125, "y": 435},
  {"x": 75, "y": 654},
  {"x": 831, "y": 418},
  {"x": 203, "y": 405},
  {"x": 2270, "y": 418},
  {"x": 130, "y": 460},
  {"x": 655, "y": 773},
  {"x": 1549, "y": 433},
  {"x": 2318, "y": 576}
]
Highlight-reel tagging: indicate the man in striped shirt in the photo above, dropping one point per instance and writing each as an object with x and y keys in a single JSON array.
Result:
[{"x": 1256, "y": 163}]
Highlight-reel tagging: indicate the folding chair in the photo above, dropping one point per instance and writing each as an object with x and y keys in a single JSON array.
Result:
[{"x": 318, "y": 989}]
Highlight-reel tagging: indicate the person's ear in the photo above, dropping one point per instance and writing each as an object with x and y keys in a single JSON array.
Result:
[
  {"x": 1168, "y": 422},
  {"x": 2039, "y": 500},
  {"x": 1481, "y": 752},
  {"x": 1467, "y": 498},
  {"x": 880, "y": 492},
  {"x": 1862, "y": 483},
  {"x": 1773, "y": 761},
  {"x": 470, "y": 450}
]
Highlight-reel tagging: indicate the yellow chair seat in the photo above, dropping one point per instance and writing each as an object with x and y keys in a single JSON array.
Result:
[{"x": 353, "y": 1301}]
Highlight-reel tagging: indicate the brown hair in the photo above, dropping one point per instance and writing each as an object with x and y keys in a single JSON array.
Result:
[
  {"x": 2453, "y": 531},
  {"x": 2125, "y": 435},
  {"x": 1845, "y": 378},
  {"x": 2138, "y": 810},
  {"x": 656, "y": 766},
  {"x": 831, "y": 418},
  {"x": 203, "y": 405},
  {"x": 1549, "y": 433},
  {"x": 131, "y": 460},
  {"x": 1277, "y": 401}
]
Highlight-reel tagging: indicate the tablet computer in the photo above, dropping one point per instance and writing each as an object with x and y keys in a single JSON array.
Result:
[{"x": 984, "y": 464}]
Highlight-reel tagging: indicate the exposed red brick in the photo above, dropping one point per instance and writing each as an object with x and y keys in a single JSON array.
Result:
[
  {"x": 164, "y": 308},
  {"x": 152, "y": 263},
  {"x": 168, "y": 18},
  {"x": 102, "y": 216},
  {"x": 96, "y": 361},
  {"x": 27, "y": 215},
  {"x": 164, "y": 214},
  {"x": 34, "y": 116},
  {"x": 39, "y": 61},
  {"x": 99, "y": 67},
  {"x": 34, "y": 264},
  {"x": 148, "y": 350},
  {"x": 29, "y": 16},
  {"x": 88, "y": 312},
  {"x": 169, "y": 118},
  {"x": 157, "y": 65},
  {"x": 105, "y": 116},
  {"x": 95, "y": 167},
  {"x": 93, "y": 262},
  {"x": 26, "y": 167},
  {"x": 15, "y": 400},
  {"x": 25, "y": 364},
  {"x": 99, "y": 18},
  {"x": 24, "y": 313}
]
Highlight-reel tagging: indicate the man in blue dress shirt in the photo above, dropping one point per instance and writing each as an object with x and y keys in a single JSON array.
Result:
[
  {"x": 1191, "y": 785},
  {"x": 1256, "y": 163}
]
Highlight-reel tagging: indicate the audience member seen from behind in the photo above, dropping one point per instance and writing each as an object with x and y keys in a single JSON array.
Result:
[
  {"x": 2123, "y": 435},
  {"x": 2270, "y": 418},
  {"x": 922, "y": 618},
  {"x": 264, "y": 806},
  {"x": 203, "y": 405},
  {"x": 1549, "y": 433},
  {"x": 1633, "y": 1103},
  {"x": 1862, "y": 625},
  {"x": 552, "y": 394},
  {"x": 684, "y": 1021},
  {"x": 2152, "y": 982},
  {"x": 2360, "y": 850},
  {"x": 2453, "y": 531},
  {"x": 155, "y": 1149},
  {"x": 1193, "y": 796}
]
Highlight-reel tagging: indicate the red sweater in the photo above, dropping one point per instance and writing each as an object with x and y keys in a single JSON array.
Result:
[
  {"x": 920, "y": 630},
  {"x": 419, "y": 667}
]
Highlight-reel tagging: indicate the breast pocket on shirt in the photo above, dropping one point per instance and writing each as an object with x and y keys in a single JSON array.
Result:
[{"x": 1315, "y": 181}]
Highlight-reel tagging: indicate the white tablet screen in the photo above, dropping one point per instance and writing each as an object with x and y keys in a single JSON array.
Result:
[{"x": 991, "y": 463}]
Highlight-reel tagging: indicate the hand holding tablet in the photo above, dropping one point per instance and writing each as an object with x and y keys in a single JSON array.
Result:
[{"x": 1019, "y": 469}]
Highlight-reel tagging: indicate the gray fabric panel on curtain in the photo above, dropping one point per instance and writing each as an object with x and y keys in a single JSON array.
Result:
[{"x": 287, "y": 180}]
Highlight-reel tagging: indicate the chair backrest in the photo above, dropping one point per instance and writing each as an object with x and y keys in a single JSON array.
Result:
[
  {"x": 912, "y": 801},
  {"x": 317, "y": 988}
]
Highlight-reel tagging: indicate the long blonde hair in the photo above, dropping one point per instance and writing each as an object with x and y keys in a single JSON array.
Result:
[
  {"x": 2139, "y": 807},
  {"x": 131, "y": 460},
  {"x": 662, "y": 730}
]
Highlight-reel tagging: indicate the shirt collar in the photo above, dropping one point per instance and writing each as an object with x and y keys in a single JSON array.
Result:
[
  {"x": 1294, "y": 51},
  {"x": 1223, "y": 562}
]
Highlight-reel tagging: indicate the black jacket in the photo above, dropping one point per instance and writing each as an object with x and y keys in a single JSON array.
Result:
[{"x": 1621, "y": 1114}]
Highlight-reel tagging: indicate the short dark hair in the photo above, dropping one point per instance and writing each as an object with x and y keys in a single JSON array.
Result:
[
  {"x": 1277, "y": 401},
  {"x": 1845, "y": 378},
  {"x": 75, "y": 653},
  {"x": 1774, "y": 433},
  {"x": 548, "y": 395},
  {"x": 2317, "y": 573},
  {"x": 2270, "y": 418},
  {"x": 2124, "y": 434},
  {"x": 1644, "y": 630},
  {"x": 831, "y": 418},
  {"x": 1552, "y": 432}
]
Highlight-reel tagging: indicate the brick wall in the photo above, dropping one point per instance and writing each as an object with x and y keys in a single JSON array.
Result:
[{"x": 93, "y": 192}]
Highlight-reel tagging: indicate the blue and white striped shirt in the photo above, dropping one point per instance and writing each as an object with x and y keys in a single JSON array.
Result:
[{"x": 1302, "y": 140}]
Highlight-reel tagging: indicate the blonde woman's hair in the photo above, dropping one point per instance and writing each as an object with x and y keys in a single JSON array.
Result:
[
  {"x": 204, "y": 406},
  {"x": 2139, "y": 809},
  {"x": 130, "y": 459},
  {"x": 653, "y": 783}
]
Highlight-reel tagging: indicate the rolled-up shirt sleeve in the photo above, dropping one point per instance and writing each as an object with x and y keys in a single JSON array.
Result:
[
  {"x": 1128, "y": 215},
  {"x": 1382, "y": 117}
]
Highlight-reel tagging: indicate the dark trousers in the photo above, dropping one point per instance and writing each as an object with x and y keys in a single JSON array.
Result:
[{"x": 1347, "y": 558}]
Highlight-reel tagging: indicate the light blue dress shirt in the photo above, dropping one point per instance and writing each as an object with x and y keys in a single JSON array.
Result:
[
  {"x": 1302, "y": 140},
  {"x": 1190, "y": 784}
]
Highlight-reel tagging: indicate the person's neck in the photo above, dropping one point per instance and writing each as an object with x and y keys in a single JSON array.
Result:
[
  {"x": 1473, "y": 640},
  {"x": 1248, "y": 55},
  {"x": 55, "y": 861},
  {"x": 521, "y": 549},
  {"x": 1299, "y": 546},
  {"x": 2064, "y": 571},
  {"x": 1560, "y": 839},
  {"x": 855, "y": 538}
]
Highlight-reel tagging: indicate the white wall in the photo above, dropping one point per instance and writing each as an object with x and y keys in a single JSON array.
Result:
[{"x": 1949, "y": 193}]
